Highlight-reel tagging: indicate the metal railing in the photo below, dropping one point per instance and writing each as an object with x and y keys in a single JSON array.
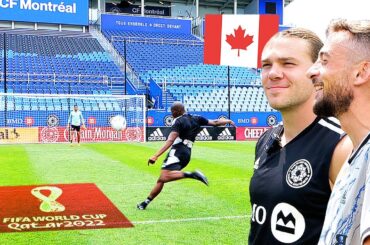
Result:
[
  {"x": 148, "y": 15},
  {"x": 55, "y": 78},
  {"x": 219, "y": 81},
  {"x": 147, "y": 40}
]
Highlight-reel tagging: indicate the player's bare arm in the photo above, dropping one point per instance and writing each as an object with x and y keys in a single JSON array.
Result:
[
  {"x": 220, "y": 122},
  {"x": 171, "y": 138},
  {"x": 340, "y": 155}
]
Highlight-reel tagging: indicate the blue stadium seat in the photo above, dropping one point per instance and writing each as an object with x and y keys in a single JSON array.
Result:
[{"x": 40, "y": 59}]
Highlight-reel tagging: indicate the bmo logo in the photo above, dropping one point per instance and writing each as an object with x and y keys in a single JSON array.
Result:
[
  {"x": 150, "y": 120},
  {"x": 91, "y": 120},
  {"x": 287, "y": 224},
  {"x": 29, "y": 121},
  {"x": 254, "y": 120}
]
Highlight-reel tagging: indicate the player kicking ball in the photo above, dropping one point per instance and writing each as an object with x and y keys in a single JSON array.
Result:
[{"x": 184, "y": 129}]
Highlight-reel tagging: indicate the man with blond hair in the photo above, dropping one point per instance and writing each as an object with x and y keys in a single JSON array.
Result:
[
  {"x": 297, "y": 161},
  {"x": 341, "y": 77}
]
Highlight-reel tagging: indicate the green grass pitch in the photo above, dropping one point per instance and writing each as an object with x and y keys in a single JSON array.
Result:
[{"x": 186, "y": 212}]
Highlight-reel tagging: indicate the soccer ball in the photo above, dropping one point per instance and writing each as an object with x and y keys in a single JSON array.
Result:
[{"x": 118, "y": 122}]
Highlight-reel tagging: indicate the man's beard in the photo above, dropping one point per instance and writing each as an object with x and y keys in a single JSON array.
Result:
[{"x": 335, "y": 103}]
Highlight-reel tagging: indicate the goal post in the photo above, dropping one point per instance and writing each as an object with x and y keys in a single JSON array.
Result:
[{"x": 43, "y": 118}]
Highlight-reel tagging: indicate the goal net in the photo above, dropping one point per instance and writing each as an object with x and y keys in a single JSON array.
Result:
[{"x": 43, "y": 118}]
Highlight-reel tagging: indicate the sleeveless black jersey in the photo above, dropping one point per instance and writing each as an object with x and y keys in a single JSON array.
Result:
[
  {"x": 188, "y": 126},
  {"x": 289, "y": 189}
]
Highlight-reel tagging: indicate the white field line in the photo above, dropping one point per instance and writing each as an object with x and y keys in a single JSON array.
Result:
[{"x": 214, "y": 218}]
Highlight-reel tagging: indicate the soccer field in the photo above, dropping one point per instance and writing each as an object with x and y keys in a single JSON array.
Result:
[{"x": 186, "y": 212}]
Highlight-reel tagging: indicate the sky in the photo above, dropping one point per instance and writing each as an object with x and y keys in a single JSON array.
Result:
[{"x": 316, "y": 14}]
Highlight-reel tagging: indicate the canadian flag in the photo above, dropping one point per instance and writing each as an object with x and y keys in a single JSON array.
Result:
[{"x": 237, "y": 40}]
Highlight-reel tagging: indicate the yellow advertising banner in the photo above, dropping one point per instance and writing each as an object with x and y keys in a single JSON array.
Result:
[{"x": 19, "y": 135}]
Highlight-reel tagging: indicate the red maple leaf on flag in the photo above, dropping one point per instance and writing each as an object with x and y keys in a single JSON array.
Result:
[{"x": 240, "y": 40}]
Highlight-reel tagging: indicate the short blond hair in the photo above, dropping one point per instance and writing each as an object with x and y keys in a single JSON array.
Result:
[
  {"x": 309, "y": 36},
  {"x": 359, "y": 31}
]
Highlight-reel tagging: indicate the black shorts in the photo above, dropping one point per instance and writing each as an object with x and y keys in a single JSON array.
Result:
[
  {"x": 178, "y": 157},
  {"x": 76, "y": 128}
]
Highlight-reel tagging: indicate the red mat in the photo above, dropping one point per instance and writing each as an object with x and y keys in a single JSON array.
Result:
[{"x": 57, "y": 207}]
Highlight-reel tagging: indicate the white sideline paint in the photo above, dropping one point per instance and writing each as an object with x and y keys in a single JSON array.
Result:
[{"x": 215, "y": 218}]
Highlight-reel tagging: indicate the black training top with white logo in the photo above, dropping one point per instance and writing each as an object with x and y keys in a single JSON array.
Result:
[
  {"x": 289, "y": 189},
  {"x": 188, "y": 126}
]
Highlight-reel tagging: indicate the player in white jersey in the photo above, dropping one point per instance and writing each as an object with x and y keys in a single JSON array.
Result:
[
  {"x": 75, "y": 120},
  {"x": 341, "y": 77}
]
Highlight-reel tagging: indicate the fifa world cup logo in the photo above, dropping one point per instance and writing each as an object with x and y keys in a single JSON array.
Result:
[{"x": 49, "y": 203}]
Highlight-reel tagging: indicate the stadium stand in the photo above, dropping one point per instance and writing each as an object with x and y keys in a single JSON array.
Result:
[
  {"x": 60, "y": 55},
  {"x": 56, "y": 63},
  {"x": 214, "y": 98},
  {"x": 1, "y": 63},
  {"x": 62, "y": 63},
  {"x": 174, "y": 61},
  {"x": 153, "y": 51}
]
